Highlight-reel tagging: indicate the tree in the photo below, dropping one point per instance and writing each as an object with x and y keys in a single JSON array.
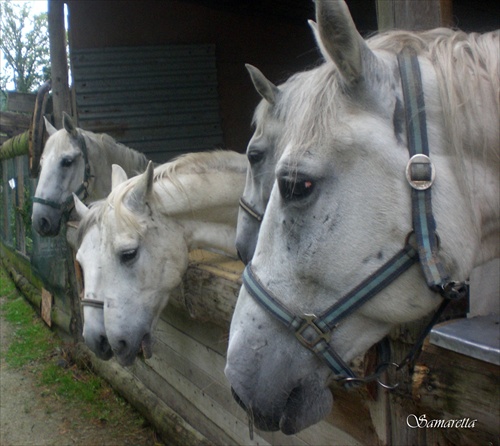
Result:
[{"x": 24, "y": 41}]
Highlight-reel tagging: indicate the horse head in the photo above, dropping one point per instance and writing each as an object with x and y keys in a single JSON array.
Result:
[
  {"x": 340, "y": 209},
  {"x": 136, "y": 263},
  {"x": 89, "y": 239},
  {"x": 261, "y": 159},
  {"x": 63, "y": 166}
]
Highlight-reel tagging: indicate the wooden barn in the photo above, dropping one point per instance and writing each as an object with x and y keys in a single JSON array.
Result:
[{"x": 168, "y": 77}]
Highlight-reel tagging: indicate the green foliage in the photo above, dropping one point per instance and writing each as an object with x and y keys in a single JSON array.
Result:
[
  {"x": 32, "y": 341},
  {"x": 38, "y": 350},
  {"x": 24, "y": 42}
]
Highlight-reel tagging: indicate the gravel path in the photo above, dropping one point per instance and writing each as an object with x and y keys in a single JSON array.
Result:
[{"x": 28, "y": 416}]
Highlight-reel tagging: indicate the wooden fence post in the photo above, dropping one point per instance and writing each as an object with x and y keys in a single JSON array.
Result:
[
  {"x": 59, "y": 61},
  {"x": 413, "y": 15}
]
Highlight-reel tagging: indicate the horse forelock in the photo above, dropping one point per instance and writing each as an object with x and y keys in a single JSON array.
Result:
[{"x": 59, "y": 143}]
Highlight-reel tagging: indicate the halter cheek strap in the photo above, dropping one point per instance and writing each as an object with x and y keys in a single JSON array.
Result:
[
  {"x": 82, "y": 191},
  {"x": 314, "y": 332}
]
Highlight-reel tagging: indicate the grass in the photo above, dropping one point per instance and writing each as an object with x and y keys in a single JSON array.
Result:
[{"x": 38, "y": 350}]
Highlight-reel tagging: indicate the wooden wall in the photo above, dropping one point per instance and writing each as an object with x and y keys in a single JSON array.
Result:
[{"x": 278, "y": 47}]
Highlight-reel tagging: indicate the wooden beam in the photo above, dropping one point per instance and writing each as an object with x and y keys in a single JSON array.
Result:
[
  {"x": 59, "y": 61},
  {"x": 16, "y": 146},
  {"x": 413, "y": 15}
]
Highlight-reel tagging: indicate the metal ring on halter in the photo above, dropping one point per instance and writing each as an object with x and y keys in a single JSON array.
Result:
[
  {"x": 411, "y": 233},
  {"x": 384, "y": 385}
]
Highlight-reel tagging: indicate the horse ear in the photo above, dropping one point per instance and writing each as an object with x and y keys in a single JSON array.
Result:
[
  {"x": 118, "y": 175},
  {"x": 314, "y": 27},
  {"x": 69, "y": 125},
  {"x": 49, "y": 127},
  {"x": 142, "y": 190},
  {"x": 80, "y": 207},
  {"x": 341, "y": 41},
  {"x": 262, "y": 84}
]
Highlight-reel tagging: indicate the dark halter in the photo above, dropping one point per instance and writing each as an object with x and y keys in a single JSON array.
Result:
[{"x": 314, "y": 332}]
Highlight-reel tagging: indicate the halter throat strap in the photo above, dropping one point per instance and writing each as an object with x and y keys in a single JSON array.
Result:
[
  {"x": 314, "y": 332},
  {"x": 82, "y": 191}
]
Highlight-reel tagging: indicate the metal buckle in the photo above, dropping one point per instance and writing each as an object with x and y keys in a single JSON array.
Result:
[
  {"x": 420, "y": 172},
  {"x": 309, "y": 322},
  {"x": 92, "y": 303}
]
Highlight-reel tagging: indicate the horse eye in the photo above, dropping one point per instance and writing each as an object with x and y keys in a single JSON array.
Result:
[
  {"x": 254, "y": 156},
  {"x": 128, "y": 255},
  {"x": 297, "y": 189},
  {"x": 66, "y": 162}
]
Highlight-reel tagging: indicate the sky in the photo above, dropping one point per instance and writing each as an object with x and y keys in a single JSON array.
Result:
[{"x": 37, "y": 7}]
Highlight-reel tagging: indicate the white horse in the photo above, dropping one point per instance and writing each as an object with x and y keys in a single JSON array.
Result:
[
  {"x": 76, "y": 161},
  {"x": 263, "y": 152},
  {"x": 261, "y": 156},
  {"x": 134, "y": 245},
  {"x": 341, "y": 207}
]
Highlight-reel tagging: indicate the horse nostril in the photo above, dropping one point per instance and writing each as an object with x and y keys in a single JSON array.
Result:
[
  {"x": 240, "y": 256},
  {"x": 44, "y": 225}
]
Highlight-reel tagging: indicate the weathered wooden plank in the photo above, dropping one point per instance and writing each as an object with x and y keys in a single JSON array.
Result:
[
  {"x": 206, "y": 296},
  {"x": 450, "y": 386},
  {"x": 14, "y": 123},
  {"x": 210, "y": 335},
  {"x": 190, "y": 402},
  {"x": 197, "y": 373},
  {"x": 172, "y": 427},
  {"x": 20, "y": 102},
  {"x": 413, "y": 15}
]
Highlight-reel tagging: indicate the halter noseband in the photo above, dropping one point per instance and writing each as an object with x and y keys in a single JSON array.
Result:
[
  {"x": 250, "y": 210},
  {"x": 314, "y": 332},
  {"x": 82, "y": 191}
]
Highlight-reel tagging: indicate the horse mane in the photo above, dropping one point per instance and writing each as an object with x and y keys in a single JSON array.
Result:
[
  {"x": 191, "y": 164},
  {"x": 198, "y": 163},
  {"x": 128, "y": 156},
  {"x": 466, "y": 66}
]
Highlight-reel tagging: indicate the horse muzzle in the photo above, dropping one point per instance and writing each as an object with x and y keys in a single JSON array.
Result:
[
  {"x": 46, "y": 220},
  {"x": 305, "y": 405},
  {"x": 127, "y": 350}
]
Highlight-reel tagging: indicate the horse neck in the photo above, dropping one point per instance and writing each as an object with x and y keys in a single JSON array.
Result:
[
  {"x": 102, "y": 155},
  {"x": 206, "y": 205}
]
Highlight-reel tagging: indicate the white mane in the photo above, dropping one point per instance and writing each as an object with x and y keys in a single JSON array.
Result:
[
  {"x": 187, "y": 164},
  {"x": 467, "y": 68}
]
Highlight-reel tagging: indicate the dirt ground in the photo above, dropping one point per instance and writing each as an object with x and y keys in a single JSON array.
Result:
[{"x": 30, "y": 417}]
